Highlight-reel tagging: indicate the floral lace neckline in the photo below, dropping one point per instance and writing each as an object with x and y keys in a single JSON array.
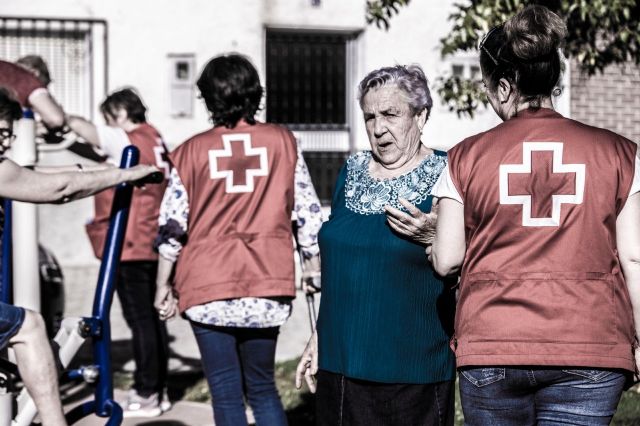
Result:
[{"x": 367, "y": 195}]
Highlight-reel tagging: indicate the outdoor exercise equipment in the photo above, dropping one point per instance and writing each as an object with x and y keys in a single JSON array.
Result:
[{"x": 74, "y": 331}]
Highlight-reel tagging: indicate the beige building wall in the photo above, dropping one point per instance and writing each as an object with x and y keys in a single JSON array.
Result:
[{"x": 143, "y": 33}]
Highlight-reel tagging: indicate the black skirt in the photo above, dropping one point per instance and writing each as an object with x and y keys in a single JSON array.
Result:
[{"x": 341, "y": 401}]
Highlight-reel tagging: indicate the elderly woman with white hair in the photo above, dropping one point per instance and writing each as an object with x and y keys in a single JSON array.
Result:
[{"x": 381, "y": 353}]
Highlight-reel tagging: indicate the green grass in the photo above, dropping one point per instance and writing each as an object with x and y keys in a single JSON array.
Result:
[
  {"x": 628, "y": 413},
  {"x": 300, "y": 407}
]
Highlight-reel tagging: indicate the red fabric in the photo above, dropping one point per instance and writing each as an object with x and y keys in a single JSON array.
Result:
[
  {"x": 142, "y": 226},
  {"x": 19, "y": 82},
  {"x": 239, "y": 238},
  {"x": 543, "y": 295}
]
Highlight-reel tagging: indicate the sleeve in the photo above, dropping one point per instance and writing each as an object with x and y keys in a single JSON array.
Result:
[
  {"x": 445, "y": 188},
  {"x": 635, "y": 185},
  {"x": 307, "y": 209},
  {"x": 113, "y": 140},
  {"x": 23, "y": 83},
  {"x": 173, "y": 219}
]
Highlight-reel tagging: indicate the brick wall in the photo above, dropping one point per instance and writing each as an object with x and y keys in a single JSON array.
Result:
[{"x": 610, "y": 100}]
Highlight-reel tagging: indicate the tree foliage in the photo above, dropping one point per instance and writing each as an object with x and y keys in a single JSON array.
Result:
[
  {"x": 600, "y": 33},
  {"x": 380, "y": 11}
]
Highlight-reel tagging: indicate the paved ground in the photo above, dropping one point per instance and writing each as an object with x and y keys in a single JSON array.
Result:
[{"x": 184, "y": 364}]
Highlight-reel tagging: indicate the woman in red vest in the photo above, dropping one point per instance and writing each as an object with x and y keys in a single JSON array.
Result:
[
  {"x": 541, "y": 215},
  {"x": 225, "y": 222}
]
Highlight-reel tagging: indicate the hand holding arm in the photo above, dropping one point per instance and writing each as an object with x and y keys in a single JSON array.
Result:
[{"x": 416, "y": 225}]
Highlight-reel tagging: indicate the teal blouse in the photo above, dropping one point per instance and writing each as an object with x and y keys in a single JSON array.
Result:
[{"x": 384, "y": 316}]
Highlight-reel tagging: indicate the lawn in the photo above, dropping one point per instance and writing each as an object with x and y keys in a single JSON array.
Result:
[{"x": 300, "y": 408}]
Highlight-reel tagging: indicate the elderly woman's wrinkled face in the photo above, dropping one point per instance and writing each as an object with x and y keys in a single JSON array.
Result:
[{"x": 393, "y": 129}]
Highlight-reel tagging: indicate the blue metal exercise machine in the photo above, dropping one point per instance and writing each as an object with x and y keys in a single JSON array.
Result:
[{"x": 74, "y": 331}]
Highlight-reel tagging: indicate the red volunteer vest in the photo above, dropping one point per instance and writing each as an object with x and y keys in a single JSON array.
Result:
[
  {"x": 240, "y": 188},
  {"x": 541, "y": 282},
  {"x": 142, "y": 226}
]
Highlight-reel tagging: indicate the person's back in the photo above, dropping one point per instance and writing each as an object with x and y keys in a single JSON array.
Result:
[
  {"x": 541, "y": 213},
  {"x": 547, "y": 261},
  {"x": 145, "y": 205},
  {"x": 225, "y": 222},
  {"x": 239, "y": 184}
]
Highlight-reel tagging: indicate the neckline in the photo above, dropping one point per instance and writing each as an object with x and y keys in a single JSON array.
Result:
[
  {"x": 408, "y": 172},
  {"x": 537, "y": 113}
]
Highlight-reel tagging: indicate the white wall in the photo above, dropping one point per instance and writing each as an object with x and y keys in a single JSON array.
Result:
[
  {"x": 413, "y": 37},
  {"x": 143, "y": 32}
]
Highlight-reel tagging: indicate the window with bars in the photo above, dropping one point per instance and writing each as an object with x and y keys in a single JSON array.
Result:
[
  {"x": 324, "y": 167},
  {"x": 309, "y": 82},
  {"x": 306, "y": 79},
  {"x": 69, "y": 48}
]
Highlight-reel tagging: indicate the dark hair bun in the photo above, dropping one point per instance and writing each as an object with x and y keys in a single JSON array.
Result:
[{"x": 534, "y": 32}]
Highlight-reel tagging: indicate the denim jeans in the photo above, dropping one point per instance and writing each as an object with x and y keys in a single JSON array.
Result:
[
  {"x": 234, "y": 359},
  {"x": 342, "y": 401},
  {"x": 539, "y": 396},
  {"x": 136, "y": 288},
  {"x": 11, "y": 319}
]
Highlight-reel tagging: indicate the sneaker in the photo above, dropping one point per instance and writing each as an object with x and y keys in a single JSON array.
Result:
[
  {"x": 165, "y": 403},
  {"x": 139, "y": 406}
]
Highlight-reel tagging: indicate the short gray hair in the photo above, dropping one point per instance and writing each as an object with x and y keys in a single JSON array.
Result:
[{"x": 409, "y": 78}]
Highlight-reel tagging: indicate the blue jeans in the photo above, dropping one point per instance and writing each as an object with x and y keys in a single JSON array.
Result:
[
  {"x": 539, "y": 396},
  {"x": 234, "y": 358},
  {"x": 11, "y": 319}
]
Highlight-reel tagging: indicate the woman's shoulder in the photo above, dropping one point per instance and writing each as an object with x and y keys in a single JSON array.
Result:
[
  {"x": 193, "y": 141},
  {"x": 280, "y": 129},
  {"x": 358, "y": 161}
]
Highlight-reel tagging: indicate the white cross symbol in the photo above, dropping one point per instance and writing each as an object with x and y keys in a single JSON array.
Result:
[
  {"x": 160, "y": 154},
  {"x": 227, "y": 152},
  {"x": 557, "y": 199}
]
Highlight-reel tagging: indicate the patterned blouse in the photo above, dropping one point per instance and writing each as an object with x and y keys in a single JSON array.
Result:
[
  {"x": 249, "y": 312},
  {"x": 367, "y": 195}
]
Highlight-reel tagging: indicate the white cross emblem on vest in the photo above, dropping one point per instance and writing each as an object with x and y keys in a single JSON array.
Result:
[
  {"x": 238, "y": 162},
  {"x": 529, "y": 197}
]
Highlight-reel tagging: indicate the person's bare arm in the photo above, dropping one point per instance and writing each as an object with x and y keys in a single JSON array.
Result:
[
  {"x": 308, "y": 364},
  {"x": 48, "y": 109},
  {"x": 449, "y": 245},
  {"x": 38, "y": 368},
  {"x": 628, "y": 244},
  {"x": 84, "y": 128},
  {"x": 74, "y": 168},
  {"x": 19, "y": 183},
  {"x": 165, "y": 300}
]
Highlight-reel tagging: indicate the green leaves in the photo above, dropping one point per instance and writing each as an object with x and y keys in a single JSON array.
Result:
[
  {"x": 380, "y": 11},
  {"x": 601, "y": 32},
  {"x": 462, "y": 96}
]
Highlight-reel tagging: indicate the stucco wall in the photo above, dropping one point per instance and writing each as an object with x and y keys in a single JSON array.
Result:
[{"x": 142, "y": 33}]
